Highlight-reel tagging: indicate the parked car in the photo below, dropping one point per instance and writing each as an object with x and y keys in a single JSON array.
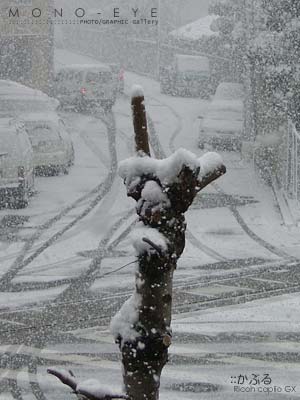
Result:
[
  {"x": 118, "y": 73},
  {"x": 84, "y": 86},
  {"x": 222, "y": 124},
  {"x": 52, "y": 145},
  {"x": 186, "y": 76},
  {"x": 16, "y": 164},
  {"x": 16, "y": 99},
  {"x": 64, "y": 58},
  {"x": 53, "y": 150}
]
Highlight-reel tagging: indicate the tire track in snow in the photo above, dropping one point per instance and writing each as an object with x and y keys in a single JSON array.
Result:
[
  {"x": 159, "y": 153},
  {"x": 100, "y": 191},
  {"x": 94, "y": 266},
  {"x": 218, "y": 279},
  {"x": 272, "y": 249},
  {"x": 234, "y": 299},
  {"x": 83, "y": 282},
  {"x": 245, "y": 267},
  {"x": 50, "y": 241},
  {"x": 207, "y": 250},
  {"x": 34, "y": 384},
  {"x": 87, "y": 278},
  {"x": 241, "y": 222},
  {"x": 15, "y": 390}
]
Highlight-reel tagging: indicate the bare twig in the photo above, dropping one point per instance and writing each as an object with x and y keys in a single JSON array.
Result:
[
  {"x": 67, "y": 378},
  {"x": 153, "y": 245}
]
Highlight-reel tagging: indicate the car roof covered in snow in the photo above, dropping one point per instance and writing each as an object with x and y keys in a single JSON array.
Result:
[
  {"x": 10, "y": 89},
  {"x": 192, "y": 63},
  {"x": 16, "y": 99}
]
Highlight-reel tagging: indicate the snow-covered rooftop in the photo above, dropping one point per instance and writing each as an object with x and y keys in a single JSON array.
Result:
[{"x": 195, "y": 30}]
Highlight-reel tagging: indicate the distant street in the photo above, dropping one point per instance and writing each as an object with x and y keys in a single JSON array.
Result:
[{"x": 64, "y": 270}]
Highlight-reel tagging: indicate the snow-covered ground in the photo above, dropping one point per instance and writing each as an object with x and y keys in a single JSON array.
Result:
[{"x": 236, "y": 301}]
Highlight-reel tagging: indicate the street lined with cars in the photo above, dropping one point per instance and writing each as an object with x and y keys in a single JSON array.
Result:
[
  {"x": 38, "y": 143},
  {"x": 65, "y": 258},
  {"x": 49, "y": 149},
  {"x": 222, "y": 124},
  {"x": 88, "y": 244},
  {"x": 211, "y": 86}
]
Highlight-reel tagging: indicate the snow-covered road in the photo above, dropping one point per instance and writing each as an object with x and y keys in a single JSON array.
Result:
[{"x": 235, "y": 291}]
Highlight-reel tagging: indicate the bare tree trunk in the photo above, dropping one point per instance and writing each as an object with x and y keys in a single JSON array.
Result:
[{"x": 145, "y": 356}]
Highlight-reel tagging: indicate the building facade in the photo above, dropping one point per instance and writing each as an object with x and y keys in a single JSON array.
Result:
[{"x": 26, "y": 42}]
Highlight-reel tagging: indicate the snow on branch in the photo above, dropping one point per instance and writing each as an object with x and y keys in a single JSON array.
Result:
[
  {"x": 148, "y": 240},
  {"x": 94, "y": 390},
  {"x": 66, "y": 377},
  {"x": 122, "y": 325},
  {"x": 137, "y": 91},
  {"x": 90, "y": 389},
  {"x": 153, "y": 245},
  {"x": 168, "y": 169},
  {"x": 151, "y": 201},
  {"x": 211, "y": 168}
]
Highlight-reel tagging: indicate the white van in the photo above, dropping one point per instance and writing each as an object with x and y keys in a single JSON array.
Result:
[
  {"x": 16, "y": 164},
  {"x": 85, "y": 85}
]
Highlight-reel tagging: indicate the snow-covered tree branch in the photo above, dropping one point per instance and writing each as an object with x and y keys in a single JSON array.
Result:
[{"x": 90, "y": 389}]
